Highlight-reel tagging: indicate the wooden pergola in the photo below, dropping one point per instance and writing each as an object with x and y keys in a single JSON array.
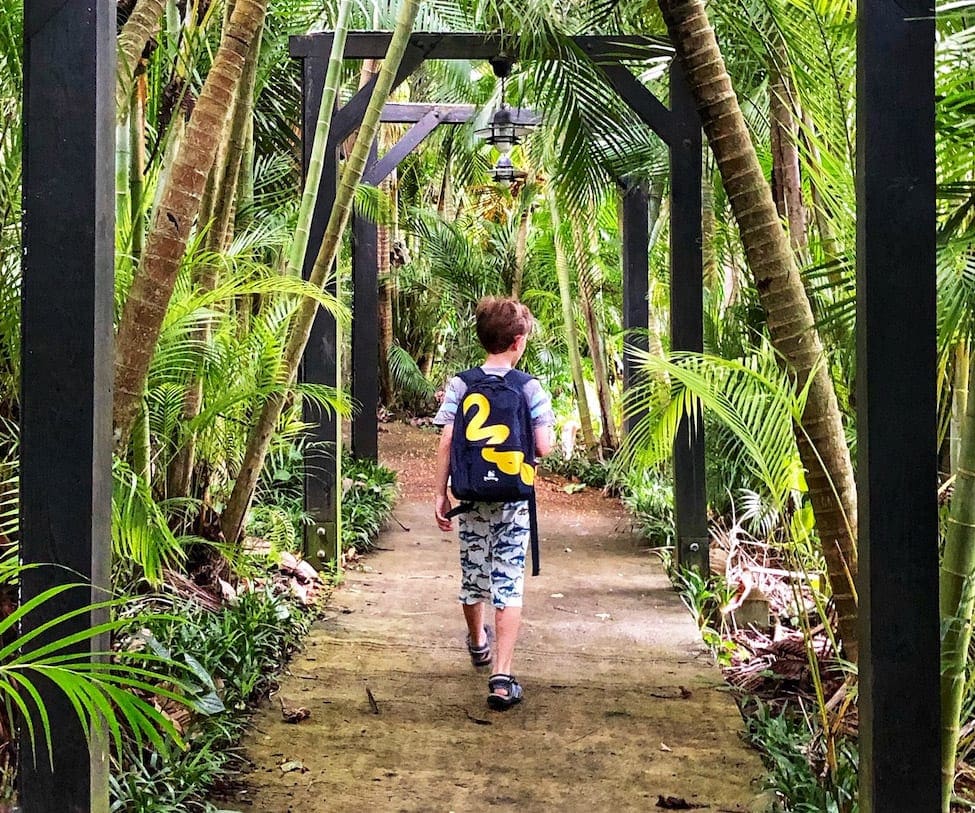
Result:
[
  {"x": 66, "y": 444},
  {"x": 678, "y": 126}
]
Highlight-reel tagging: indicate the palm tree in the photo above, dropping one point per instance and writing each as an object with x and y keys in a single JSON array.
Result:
[
  {"x": 179, "y": 206},
  {"x": 820, "y": 435},
  {"x": 263, "y": 429}
]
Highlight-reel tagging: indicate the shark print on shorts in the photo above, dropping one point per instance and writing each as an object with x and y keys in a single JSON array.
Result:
[{"x": 493, "y": 541}]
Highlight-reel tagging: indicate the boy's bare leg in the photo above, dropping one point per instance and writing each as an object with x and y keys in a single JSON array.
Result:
[
  {"x": 474, "y": 616},
  {"x": 507, "y": 622}
]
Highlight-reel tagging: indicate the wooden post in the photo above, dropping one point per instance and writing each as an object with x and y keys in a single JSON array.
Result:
[
  {"x": 687, "y": 316},
  {"x": 365, "y": 334},
  {"x": 66, "y": 377},
  {"x": 636, "y": 284},
  {"x": 896, "y": 391},
  {"x": 320, "y": 363}
]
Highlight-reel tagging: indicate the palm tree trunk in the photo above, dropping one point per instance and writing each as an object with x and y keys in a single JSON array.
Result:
[
  {"x": 786, "y": 177},
  {"x": 385, "y": 235},
  {"x": 143, "y": 24},
  {"x": 820, "y": 438},
  {"x": 569, "y": 322},
  {"x": 224, "y": 186},
  {"x": 137, "y": 136},
  {"x": 957, "y": 600},
  {"x": 262, "y": 431},
  {"x": 588, "y": 273},
  {"x": 179, "y": 206}
]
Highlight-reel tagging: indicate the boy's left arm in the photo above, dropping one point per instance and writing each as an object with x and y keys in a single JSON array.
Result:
[{"x": 441, "y": 500}]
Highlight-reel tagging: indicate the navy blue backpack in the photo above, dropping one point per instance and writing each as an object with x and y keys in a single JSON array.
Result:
[{"x": 492, "y": 452}]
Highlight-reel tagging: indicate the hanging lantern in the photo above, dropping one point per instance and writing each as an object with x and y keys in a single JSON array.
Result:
[
  {"x": 505, "y": 173},
  {"x": 504, "y": 131}
]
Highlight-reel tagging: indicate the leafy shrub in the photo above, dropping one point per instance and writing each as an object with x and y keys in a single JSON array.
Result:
[
  {"x": 793, "y": 754},
  {"x": 578, "y": 466},
  {"x": 234, "y": 654},
  {"x": 368, "y": 496},
  {"x": 648, "y": 495}
]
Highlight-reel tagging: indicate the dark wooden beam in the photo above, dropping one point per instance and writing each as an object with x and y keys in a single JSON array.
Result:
[
  {"x": 320, "y": 362},
  {"x": 687, "y": 316},
  {"x": 648, "y": 107},
  {"x": 896, "y": 408},
  {"x": 410, "y": 113},
  {"x": 348, "y": 117},
  {"x": 365, "y": 335},
  {"x": 66, "y": 356},
  {"x": 636, "y": 286},
  {"x": 472, "y": 46},
  {"x": 378, "y": 168}
]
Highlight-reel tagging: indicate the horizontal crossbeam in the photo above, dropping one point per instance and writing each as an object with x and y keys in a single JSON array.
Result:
[
  {"x": 474, "y": 46},
  {"x": 410, "y": 113}
]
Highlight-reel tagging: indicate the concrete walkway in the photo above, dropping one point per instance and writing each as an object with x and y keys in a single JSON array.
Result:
[{"x": 622, "y": 705}]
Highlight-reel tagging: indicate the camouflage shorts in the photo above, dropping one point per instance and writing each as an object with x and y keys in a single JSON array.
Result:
[{"x": 493, "y": 540}]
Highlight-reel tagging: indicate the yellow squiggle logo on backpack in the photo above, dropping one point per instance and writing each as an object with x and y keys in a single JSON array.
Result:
[{"x": 512, "y": 463}]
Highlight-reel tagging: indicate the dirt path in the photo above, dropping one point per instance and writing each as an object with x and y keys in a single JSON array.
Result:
[{"x": 622, "y": 705}]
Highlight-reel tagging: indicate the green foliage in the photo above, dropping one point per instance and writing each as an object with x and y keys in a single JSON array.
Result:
[
  {"x": 648, "y": 495},
  {"x": 792, "y": 750},
  {"x": 704, "y": 597},
  {"x": 143, "y": 544},
  {"x": 232, "y": 656},
  {"x": 579, "y": 467},
  {"x": 107, "y": 690},
  {"x": 368, "y": 496}
]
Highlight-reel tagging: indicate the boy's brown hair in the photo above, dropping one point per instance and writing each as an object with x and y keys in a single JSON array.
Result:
[{"x": 500, "y": 321}]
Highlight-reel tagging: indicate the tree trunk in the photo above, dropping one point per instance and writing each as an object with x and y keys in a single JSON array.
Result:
[
  {"x": 957, "y": 600},
  {"x": 820, "y": 438},
  {"x": 224, "y": 178},
  {"x": 137, "y": 135},
  {"x": 385, "y": 235},
  {"x": 588, "y": 274},
  {"x": 786, "y": 177},
  {"x": 521, "y": 250},
  {"x": 569, "y": 323},
  {"x": 179, "y": 206},
  {"x": 262, "y": 431},
  {"x": 143, "y": 24}
]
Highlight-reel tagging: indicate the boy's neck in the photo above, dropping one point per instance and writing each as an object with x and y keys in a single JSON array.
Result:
[{"x": 508, "y": 359}]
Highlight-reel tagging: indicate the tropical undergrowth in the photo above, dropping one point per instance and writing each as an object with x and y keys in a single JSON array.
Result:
[
  {"x": 233, "y": 654},
  {"x": 233, "y": 651},
  {"x": 796, "y": 695}
]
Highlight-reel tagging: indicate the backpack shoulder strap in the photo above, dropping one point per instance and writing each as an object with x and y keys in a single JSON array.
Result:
[
  {"x": 517, "y": 378},
  {"x": 472, "y": 376}
]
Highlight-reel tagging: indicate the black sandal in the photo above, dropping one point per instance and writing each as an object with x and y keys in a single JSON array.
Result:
[
  {"x": 480, "y": 655},
  {"x": 508, "y": 684}
]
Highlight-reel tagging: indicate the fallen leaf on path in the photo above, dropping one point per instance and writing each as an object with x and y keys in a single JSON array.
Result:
[
  {"x": 676, "y": 803},
  {"x": 573, "y": 488},
  {"x": 293, "y": 765},
  {"x": 665, "y": 747},
  {"x": 293, "y": 714}
]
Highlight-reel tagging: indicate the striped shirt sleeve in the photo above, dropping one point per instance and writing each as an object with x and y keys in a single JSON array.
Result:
[{"x": 539, "y": 403}]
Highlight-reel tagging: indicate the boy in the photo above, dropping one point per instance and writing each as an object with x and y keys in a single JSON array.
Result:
[{"x": 494, "y": 536}]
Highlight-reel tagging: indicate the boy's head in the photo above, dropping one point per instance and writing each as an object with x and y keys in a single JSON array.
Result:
[{"x": 500, "y": 321}]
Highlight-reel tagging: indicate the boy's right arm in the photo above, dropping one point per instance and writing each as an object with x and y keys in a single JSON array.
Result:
[{"x": 441, "y": 500}]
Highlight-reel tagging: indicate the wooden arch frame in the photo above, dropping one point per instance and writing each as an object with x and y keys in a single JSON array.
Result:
[
  {"x": 67, "y": 346},
  {"x": 679, "y": 128}
]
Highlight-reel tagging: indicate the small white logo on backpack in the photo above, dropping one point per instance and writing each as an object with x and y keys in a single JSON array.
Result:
[{"x": 491, "y": 476}]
